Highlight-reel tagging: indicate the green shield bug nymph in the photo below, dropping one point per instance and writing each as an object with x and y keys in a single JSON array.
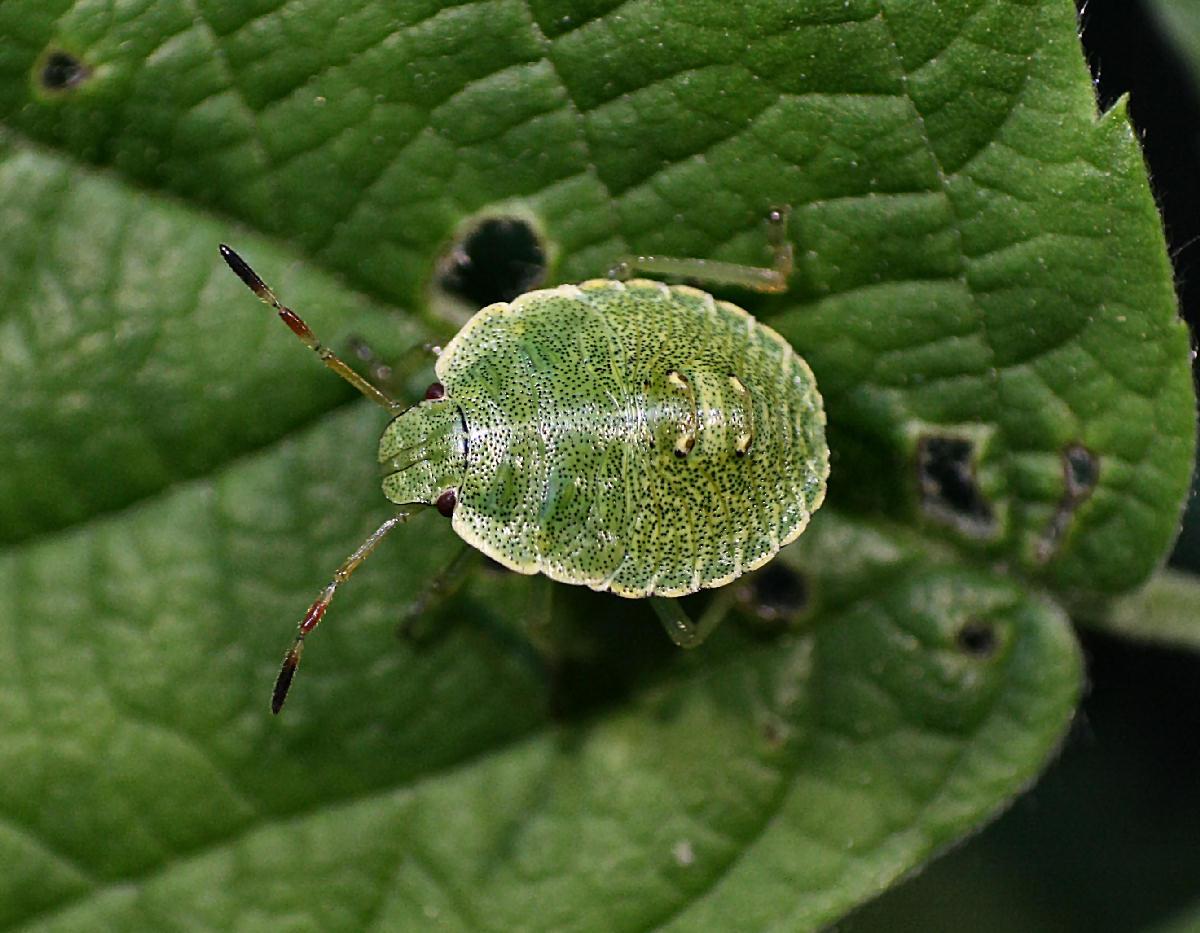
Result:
[{"x": 628, "y": 436}]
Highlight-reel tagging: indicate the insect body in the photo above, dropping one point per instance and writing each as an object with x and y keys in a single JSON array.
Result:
[
  {"x": 626, "y": 436},
  {"x": 633, "y": 437}
]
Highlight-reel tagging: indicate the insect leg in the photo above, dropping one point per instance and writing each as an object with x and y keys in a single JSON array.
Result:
[
  {"x": 395, "y": 378},
  {"x": 292, "y": 659},
  {"x": 243, "y": 271},
  {"x": 679, "y": 625},
  {"x": 437, "y": 589},
  {"x": 539, "y": 623},
  {"x": 680, "y": 628},
  {"x": 716, "y": 272}
]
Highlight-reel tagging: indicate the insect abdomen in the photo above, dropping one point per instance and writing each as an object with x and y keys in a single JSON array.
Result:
[{"x": 725, "y": 484}]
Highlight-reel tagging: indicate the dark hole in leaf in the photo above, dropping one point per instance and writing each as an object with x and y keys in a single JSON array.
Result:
[
  {"x": 945, "y": 471},
  {"x": 779, "y": 593},
  {"x": 61, "y": 71},
  {"x": 1082, "y": 470},
  {"x": 977, "y": 638},
  {"x": 499, "y": 259}
]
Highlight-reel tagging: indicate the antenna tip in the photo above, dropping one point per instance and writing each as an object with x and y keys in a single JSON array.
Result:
[
  {"x": 242, "y": 270},
  {"x": 283, "y": 683}
]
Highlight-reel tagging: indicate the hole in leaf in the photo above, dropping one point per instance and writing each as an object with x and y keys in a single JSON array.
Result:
[
  {"x": 497, "y": 260},
  {"x": 1081, "y": 468},
  {"x": 1081, "y": 473},
  {"x": 779, "y": 593},
  {"x": 61, "y": 71},
  {"x": 977, "y": 638},
  {"x": 949, "y": 492}
]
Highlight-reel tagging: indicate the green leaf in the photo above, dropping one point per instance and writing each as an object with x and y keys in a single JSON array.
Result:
[
  {"x": 130, "y": 360},
  {"x": 1014, "y": 313},
  {"x": 1164, "y": 610},
  {"x": 981, "y": 282},
  {"x": 413, "y": 784}
]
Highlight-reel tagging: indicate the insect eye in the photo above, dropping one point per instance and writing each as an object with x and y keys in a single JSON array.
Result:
[
  {"x": 435, "y": 391},
  {"x": 446, "y": 502}
]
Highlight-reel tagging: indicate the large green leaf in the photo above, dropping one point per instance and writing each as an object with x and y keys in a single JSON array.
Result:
[
  {"x": 798, "y": 774},
  {"x": 981, "y": 289}
]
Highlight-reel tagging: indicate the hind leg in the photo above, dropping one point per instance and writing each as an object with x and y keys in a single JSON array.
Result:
[
  {"x": 773, "y": 278},
  {"x": 678, "y": 624},
  {"x": 414, "y": 625}
]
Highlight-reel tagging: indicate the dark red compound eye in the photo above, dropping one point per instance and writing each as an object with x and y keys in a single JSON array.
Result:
[
  {"x": 446, "y": 502},
  {"x": 435, "y": 391}
]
